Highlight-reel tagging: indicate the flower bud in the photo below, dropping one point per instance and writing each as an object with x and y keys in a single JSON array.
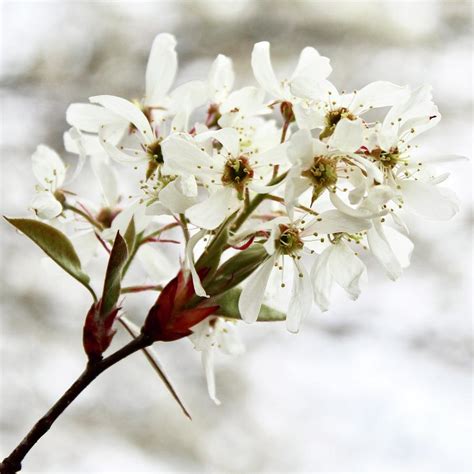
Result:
[
  {"x": 98, "y": 331},
  {"x": 171, "y": 318}
]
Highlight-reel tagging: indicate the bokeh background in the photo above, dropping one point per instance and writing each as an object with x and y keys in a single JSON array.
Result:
[{"x": 382, "y": 384}]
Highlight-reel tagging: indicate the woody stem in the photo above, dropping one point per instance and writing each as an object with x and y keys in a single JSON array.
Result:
[{"x": 12, "y": 463}]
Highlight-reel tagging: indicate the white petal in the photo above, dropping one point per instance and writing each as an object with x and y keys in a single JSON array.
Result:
[
  {"x": 46, "y": 206},
  {"x": 76, "y": 136},
  {"x": 211, "y": 212},
  {"x": 188, "y": 185},
  {"x": 228, "y": 338},
  {"x": 161, "y": 68},
  {"x": 382, "y": 251},
  {"x": 89, "y": 117},
  {"x": 85, "y": 244},
  {"x": 244, "y": 102},
  {"x": 198, "y": 288},
  {"x": 377, "y": 94},
  {"x": 134, "y": 158},
  {"x": 155, "y": 263},
  {"x": 347, "y": 269},
  {"x": 185, "y": 99},
  {"x": 263, "y": 70},
  {"x": 228, "y": 137},
  {"x": 307, "y": 117},
  {"x": 333, "y": 221},
  {"x": 312, "y": 64},
  {"x": 322, "y": 280},
  {"x": 221, "y": 78},
  {"x": 48, "y": 167},
  {"x": 348, "y": 135},
  {"x": 174, "y": 200},
  {"x": 301, "y": 298},
  {"x": 401, "y": 245},
  {"x": 184, "y": 157},
  {"x": 107, "y": 178},
  {"x": 428, "y": 200},
  {"x": 252, "y": 295},
  {"x": 277, "y": 155},
  {"x": 207, "y": 358},
  {"x": 301, "y": 147},
  {"x": 137, "y": 210},
  {"x": 129, "y": 112},
  {"x": 376, "y": 198},
  {"x": 373, "y": 172},
  {"x": 90, "y": 142},
  {"x": 350, "y": 211}
]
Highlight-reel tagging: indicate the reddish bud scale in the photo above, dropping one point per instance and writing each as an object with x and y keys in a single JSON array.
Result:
[
  {"x": 98, "y": 331},
  {"x": 169, "y": 319}
]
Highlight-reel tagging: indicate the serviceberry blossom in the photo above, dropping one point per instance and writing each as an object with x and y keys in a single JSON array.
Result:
[{"x": 227, "y": 195}]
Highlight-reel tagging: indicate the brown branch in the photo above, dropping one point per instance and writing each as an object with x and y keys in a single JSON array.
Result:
[{"x": 12, "y": 463}]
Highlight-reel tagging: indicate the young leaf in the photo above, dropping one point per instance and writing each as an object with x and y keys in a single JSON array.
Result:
[
  {"x": 130, "y": 236},
  {"x": 152, "y": 358},
  {"x": 56, "y": 245},
  {"x": 229, "y": 307},
  {"x": 236, "y": 269},
  {"x": 113, "y": 275}
]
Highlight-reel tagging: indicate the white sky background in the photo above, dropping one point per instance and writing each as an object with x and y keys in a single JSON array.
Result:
[{"x": 382, "y": 384}]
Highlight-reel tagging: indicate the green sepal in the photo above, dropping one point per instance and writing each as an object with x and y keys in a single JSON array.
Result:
[
  {"x": 56, "y": 245},
  {"x": 229, "y": 307}
]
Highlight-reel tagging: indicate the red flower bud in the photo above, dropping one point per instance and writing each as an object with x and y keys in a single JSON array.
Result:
[
  {"x": 98, "y": 331},
  {"x": 169, "y": 318}
]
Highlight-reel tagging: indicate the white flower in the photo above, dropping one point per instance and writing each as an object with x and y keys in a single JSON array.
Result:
[
  {"x": 160, "y": 74},
  {"x": 320, "y": 167},
  {"x": 211, "y": 334},
  {"x": 289, "y": 241},
  {"x": 161, "y": 70},
  {"x": 50, "y": 172},
  {"x": 221, "y": 79},
  {"x": 226, "y": 173},
  {"x": 311, "y": 68},
  {"x": 339, "y": 115},
  {"x": 392, "y": 152}
]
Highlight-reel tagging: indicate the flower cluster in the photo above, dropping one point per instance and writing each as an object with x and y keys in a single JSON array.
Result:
[{"x": 288, "y": 180}]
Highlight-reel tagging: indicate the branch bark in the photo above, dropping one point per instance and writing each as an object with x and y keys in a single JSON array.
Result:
[{"x": 12, "y": 463}]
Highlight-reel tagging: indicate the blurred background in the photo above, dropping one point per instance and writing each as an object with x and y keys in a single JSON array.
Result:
[{"x": 382, "y": 384}]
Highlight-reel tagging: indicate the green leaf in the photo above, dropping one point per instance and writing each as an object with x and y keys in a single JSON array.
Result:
[
  {"x": 130, "y": 236},
  {"x": 56, "y": 245},
  {"x": 236, "y": 269},
  {"x": 152, "y": 358},
  {"x": 211, "y": 256},
  {"x": 229, "y": 307},
  {"x": 113, "y": 275}
]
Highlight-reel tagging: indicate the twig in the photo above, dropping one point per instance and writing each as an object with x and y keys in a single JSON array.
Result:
[{"x": 12, "y": 463}]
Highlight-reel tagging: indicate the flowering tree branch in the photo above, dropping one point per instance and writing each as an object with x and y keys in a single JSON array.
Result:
[{"x": 301, "y": 196}]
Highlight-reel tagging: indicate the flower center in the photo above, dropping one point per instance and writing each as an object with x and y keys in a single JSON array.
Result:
[
  {"x": 388, "y": 159},
  {"x": 322, "y": 174},
  {"x": 237, "y": 172},
  {"x": 289, "y": 241},
  {"x": 333, "y": 117},
  {"x": 156, "y": 158},
  {"x": 154, "y": 152}
]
